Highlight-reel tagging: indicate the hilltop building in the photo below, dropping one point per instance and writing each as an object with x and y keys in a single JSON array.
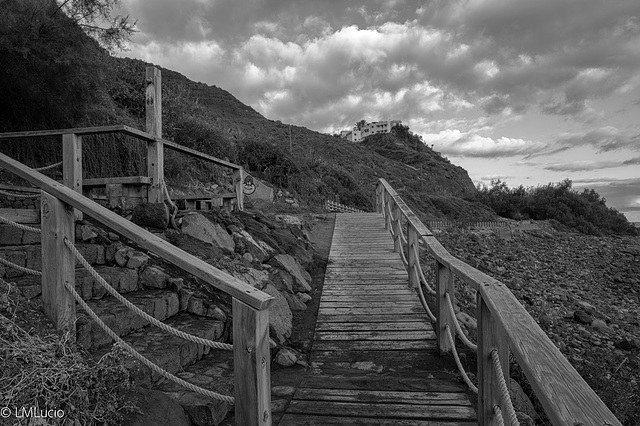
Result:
[{"x": 356, "y": 135}]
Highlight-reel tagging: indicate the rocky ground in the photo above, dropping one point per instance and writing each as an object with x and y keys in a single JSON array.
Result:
[{"x": 584, "y": 292}]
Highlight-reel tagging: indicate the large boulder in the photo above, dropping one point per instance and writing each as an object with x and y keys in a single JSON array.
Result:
[
  {"x": 198, "y": 226},
  {"x": 151, "y": 214},
  {"x": 301, "y": 278},
  {"x": 280, "y": 316},
  {"x": 253, "y": 277},
  {"x": 259, "y": 250}
]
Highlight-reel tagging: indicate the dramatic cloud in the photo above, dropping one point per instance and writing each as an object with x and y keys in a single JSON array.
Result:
[
  {"x": 477, "y": 78},
  {"x": 454, "y": 142}
]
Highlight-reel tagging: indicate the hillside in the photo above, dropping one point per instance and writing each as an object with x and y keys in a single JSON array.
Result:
[
  {"x": 319, "y": 166},
  {"x": 58, "y": 78}
]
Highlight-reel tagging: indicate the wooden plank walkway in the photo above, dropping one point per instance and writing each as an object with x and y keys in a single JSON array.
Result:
[{"x": 374, "y": 359}]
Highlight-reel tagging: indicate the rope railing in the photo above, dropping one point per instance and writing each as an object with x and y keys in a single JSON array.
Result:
[
  {"x": 563, "y": 393},
  {"x": 498, "y": 413},
  {"x": 11, "y": 264},
  {"x": 20, "y": 268},
  {"x": 424, "y": 303},
  {"x": 504, "y": 390},
  {"x": 141, "y": 358},
  {"x": 50, "y": 166},
  {"x": 15, "y": 195},
  {"x": 456, "y": 357},
  {"x": 468, "y": 343},
  {"x": 423, "y": 279},
  {"x": 140, "y": 312},
  {"x": 20, "y": 226}
]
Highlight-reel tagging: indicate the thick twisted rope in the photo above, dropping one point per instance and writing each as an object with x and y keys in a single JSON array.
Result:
[
  {"x": 19, "y": 225},
  {"x": 403, "y": 258},
  {"x": 20, "y": 268},
  {"x": 504, "y": 390},
  {"x": 465, "y": 377},
  {"x": 420, "y": 273},
  {"x": 50, "y": 166},
  {"x": 174, "y": 207},
  {"x": 498, "y": 413},
  {"x": 468, "y": 343},
  {"x": 140, "y": 357},
  {"x": 134, "y": 308},
  {"x": 13, "y": 194},
  {"x": 423, "y": 301}
]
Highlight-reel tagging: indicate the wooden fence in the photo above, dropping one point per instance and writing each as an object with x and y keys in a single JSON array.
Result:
[
  {"x": 504, "y": 327},
  {"x": 334, "y": 206},
  {"x": 151, "y": 187},
  {"x": 439, "y": 224},
  {"x": 250, "y": 306}
]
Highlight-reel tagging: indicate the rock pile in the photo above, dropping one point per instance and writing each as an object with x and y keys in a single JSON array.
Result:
[{"x": 584, "y": 291}]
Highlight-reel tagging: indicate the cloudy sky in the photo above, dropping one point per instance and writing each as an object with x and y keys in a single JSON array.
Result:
[{"x": 528, "y": 91}]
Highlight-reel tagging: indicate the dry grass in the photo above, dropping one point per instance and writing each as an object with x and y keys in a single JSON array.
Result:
[{"x": 46, "y": 371}]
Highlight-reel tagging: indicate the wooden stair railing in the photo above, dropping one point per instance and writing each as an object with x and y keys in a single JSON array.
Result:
[
  {"x": 72, "y": 159},
  {"x": 252, "y": 387},
  {"x": 503, "y": 326}
]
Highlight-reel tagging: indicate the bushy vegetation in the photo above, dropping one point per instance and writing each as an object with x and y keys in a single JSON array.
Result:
[
  {"x": 46, "y": 371},
  {"x": 584, "y": 211}
]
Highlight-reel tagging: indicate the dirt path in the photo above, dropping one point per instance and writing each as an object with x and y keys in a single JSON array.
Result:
[{"x": 285, "y": 381}]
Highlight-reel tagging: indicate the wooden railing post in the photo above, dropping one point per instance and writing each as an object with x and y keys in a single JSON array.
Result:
[
  {"x": 379, "y": 198},
  {"x": 238, "y": 181},
  {"x": 444, "y": 285},
  {"x": 155, "y": 150},
  {"x": 58, "y": 263},
  {"x": 490, "y": 337},
  {"x": 72, "y": 164},
  {"x": 414, "y": 259},
  {"x": 251, "y": 359},
  {"x": 395, "y": 224}
]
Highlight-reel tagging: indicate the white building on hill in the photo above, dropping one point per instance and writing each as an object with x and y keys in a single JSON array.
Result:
[{"x": 368, "y": 129}]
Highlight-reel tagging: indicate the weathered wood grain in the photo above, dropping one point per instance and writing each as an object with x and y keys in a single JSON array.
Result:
[
  {"x": 58, "y": 263},
  {"x": 382, "y": 396},
  {"x": 252, "y": 382}
]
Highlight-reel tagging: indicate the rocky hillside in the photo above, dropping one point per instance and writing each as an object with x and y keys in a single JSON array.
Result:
[
  {"x": 312, "y": 165},
  {"x": 584, "y": 291}
]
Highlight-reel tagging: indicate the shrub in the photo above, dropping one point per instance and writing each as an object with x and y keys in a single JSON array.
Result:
[
  {"x": 584, "y": 211},
  {"x": 48, "y": 372}
]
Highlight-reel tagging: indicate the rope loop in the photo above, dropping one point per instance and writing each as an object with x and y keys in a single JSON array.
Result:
[
  {"x": 134, "y": 308},
  {"x": 423, "y": 301},
  {"x": 504, "y": 390},
  {"x": 468, "y": 343},
  {"x": 465, "y": 377},
  {"x": 498, "y": 413}
]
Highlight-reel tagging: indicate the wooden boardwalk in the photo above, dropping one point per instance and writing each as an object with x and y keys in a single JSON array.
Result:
[{"x": 374, "y": 359}]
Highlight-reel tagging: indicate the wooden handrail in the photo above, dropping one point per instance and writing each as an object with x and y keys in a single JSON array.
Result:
[
  {"x": 124, "y": 130},
  {"x": 566, "y": 398},
  {"x": 195, "y": 266}
]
